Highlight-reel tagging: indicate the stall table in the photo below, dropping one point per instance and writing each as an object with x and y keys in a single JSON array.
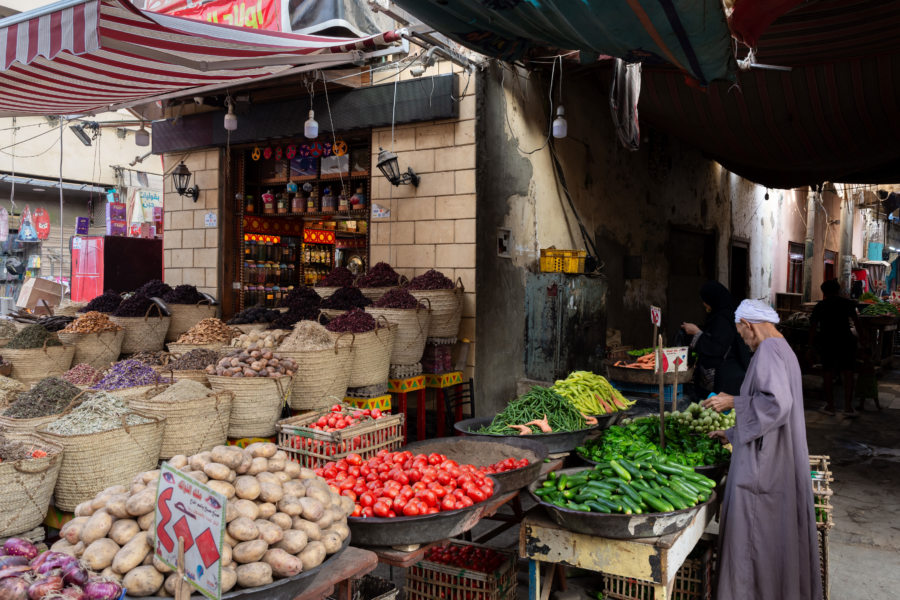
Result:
[
  {"x": 400, "y": 388},
  {"x": 439, "y": 382},
  {"x": 351, "y": 565},
  {"x": 655, "y": 560}
]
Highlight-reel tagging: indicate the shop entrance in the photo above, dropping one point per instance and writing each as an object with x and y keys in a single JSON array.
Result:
[
  {"x": 739, "y": 270},
  {"x": 692, "y": 261}
]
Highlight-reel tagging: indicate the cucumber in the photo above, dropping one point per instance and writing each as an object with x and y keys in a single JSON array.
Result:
[
  {"x": 620, "y": 470},
  {"x": 632, "y": 470},
  {"x": 669, "y": 469},
  {"x": 629, "y": 492},
  {"x": 673, "y": 498},
  {"x": 583, "y": 497},
  {"x": 631, "y": 505},
  {"x": 601, "y": 505},
  {"x": 602, "y": 485},
  {"x": 683, "y": 492},
  {"x": 656, "y": 503}
]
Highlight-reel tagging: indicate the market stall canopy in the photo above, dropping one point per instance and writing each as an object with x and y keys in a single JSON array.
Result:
[
  {"x": 83, "y": 56},
  {"x": 692, "y": 36}
]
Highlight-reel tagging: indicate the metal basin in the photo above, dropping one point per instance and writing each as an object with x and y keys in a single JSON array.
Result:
[
  {"x": 481, "y": 452},
  {"x": 619, "y": 526},
  {"x": 423, "y": 529},
  {"x": 564, "y": 441},
  {"x": 714, "y": 472}
]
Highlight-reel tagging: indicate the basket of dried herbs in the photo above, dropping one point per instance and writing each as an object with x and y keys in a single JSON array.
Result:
[
  {"x": 188, "y": 307},
  {"x": 43, "y": 403},
  {"x": 36, "y": 353},
  {"x": 190, "y": 365},
  {"x": 29, "y": 466},
  {"x": 324, "y": 363},
  {"x": 105, "y": 443},
  {"x": 144, "y": 322}
]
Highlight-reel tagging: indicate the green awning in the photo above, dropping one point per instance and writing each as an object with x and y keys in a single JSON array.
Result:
[{"x": 690, "y": 34}]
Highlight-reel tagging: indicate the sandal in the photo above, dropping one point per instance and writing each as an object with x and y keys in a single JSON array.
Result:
[
  {"x": 850, "y": 415},
  {"x": 825, "y": 411}
]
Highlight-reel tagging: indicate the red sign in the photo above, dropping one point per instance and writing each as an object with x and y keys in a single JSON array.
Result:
[{"x": 254, "y": 14}]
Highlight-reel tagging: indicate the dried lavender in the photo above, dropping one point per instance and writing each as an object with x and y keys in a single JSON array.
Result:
[
  {"x": 398, "y": 298},
  {"x": 183, "y": 294},
  {"x": 125, "y": 374},
  {"x": 106, "y": 302},
  {"x": 100, "y": 412},
  {"x": 339, "y": 277},
  {"x": 153, "y": 288},
  {"x": 346, "y": 298},
  {"x": 356, "y": 321},
  {"x": 49, "y": 396},
  {"x": 33, "y": 336},
  {"x": 431, "y": 280},
  {"x": 381, "y": 275}
]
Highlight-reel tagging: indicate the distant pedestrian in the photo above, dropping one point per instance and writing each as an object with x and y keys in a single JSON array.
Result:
[{"x": 830, "y": 333}]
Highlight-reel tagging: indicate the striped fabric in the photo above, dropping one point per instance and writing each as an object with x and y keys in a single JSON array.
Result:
[{"x": 84, "y": 56}]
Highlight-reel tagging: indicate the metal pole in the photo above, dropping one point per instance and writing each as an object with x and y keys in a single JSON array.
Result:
[
  {"x": 62, "y": 292},
  {"x": 809, "y": 251},
  {"x": 846, "y": 240}
]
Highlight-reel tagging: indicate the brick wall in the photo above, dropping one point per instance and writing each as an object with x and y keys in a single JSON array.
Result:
[
  {"x": 432, "y": 226},
  {"x": 191, "y": 250}
]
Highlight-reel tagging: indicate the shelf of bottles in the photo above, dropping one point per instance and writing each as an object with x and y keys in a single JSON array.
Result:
[{"x": 270, "y": 268}]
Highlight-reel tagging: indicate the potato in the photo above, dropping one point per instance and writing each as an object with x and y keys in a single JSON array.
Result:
[
  {"x": 84, "y": 509},
  {"x": 282, "y": 563},
  {"x": 313, "y": 555},
  {"x": 322, "y": 495},
  {"x": 198, "y": 461},
  {"x": 306, "y": 473},
  {"x": 280, "y": 454},
  {"x": 148, "y": 560},
  {"x": 266, "y": 510},
  {"x": 227, "y": 558},
  {"x": 270, "y": 492},
  {"x": 136, "y": 487},
  {"x": 230, "y": 456},
  {"x": 99, "y": 501},
  {"x": 341, "y": 529},
  {"x": 179, "y": 461},
  {"x": 143, "y": 581},
  {"x": 216, "y": 471},
  {"x": 163, "y": 567},
  {"x": 276, "y": 463},
  {"x": 111, "y": 575},
  {"x": 254, "y": 574},
  {"x": 282, "y": 477},
  {"x": 198, "y": 475},
  {"x": 132, "y": 554},
  {"x": 269, "y": 532},
  {"x": 123, "y": 530},
  {"x": 291, "y": 506},
  {"x": 347, "y": 506},
  {"x": 243, "y": 529},
  {"x": 115, "y": 489},
  {"x": 229, "y": 578},
  {"x": 283, "y": 520},
  {"x": 246, "y": 461},
  {"x": 332, "y": 541},
  {"x": 243, "y": 508},
  {"x": 266, "y": 477},
  {"x": 229, "y": 540},
  {"x": 96, "y": 527},
  {"x": 71, "y": 531},
  {"x": 258, "y": 465},
  {"x": 223, "y": 487},
  {"x": 262, "y": 449},
  {"x": 249, "y": 552},
  {"x": 294, "y": 488},
  {"x": 150, "y": 476},
  {"x": 115, "y": 506},
  {"x": 146, "y": 522},
  {"x": 312, "y": 531},
  {"x": 311, "y": 509},
  {"x": 100, "y": 554},
  {"x": 79, "y": 549},
  {"x": 293, "y": 541},
  {"x": 327, "y": 519},
  {"x": 141, "y": 503},
  {"x": 172, "y": 581},
  {"x": 292, "y": 469},
  {"x": 64, "y": 547},
  {"x": 246, "y": 487}
]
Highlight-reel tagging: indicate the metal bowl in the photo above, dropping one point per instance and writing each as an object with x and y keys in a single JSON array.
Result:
[
  {"x": 714, "y": 472},
  {"x": 481, "y": 452},
  {"x": 565, "y": 441},
  {"x": 618, "y": 526},
  {"x": 423, "y": 529}
]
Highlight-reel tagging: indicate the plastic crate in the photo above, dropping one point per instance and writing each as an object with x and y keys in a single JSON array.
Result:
[
  {"x": 643, "y": 388},
  {"x": 820, "y": 472},
  {"x": 562, "y": 261},
  {"x": 692, "y": 582},
  {"x": 313, "y": 448},
  {"x": 428, "y": 580}
]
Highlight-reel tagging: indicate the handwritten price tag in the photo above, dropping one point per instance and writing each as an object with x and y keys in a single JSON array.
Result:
[{"x": 656, "y": 315}]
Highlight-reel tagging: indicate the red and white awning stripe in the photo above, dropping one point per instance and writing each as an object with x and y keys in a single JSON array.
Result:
[{"x": 89, "y": 55}]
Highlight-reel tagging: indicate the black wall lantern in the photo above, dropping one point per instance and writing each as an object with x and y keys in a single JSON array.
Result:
[
  {"x": 387, "y": 164},
  {"x": 181, "y": 177}
]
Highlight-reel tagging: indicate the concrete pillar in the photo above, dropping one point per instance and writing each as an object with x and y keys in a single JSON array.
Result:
[
  {"x": 846, "y": 241},
  {"x": 809, "y": 250}
]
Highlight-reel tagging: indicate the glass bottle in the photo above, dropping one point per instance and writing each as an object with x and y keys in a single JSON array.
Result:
[
  {"x": 281, "y": 204},
  {"x": 250, "y": 206},
  {"x": 312, "y": 203},
  {"x": 268, "y": 200},
  {"x": 297, "y": 203}
]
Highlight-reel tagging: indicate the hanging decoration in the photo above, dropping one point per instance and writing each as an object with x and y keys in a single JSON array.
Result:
[
  {"x": 279, "y": 152},
  {"x": 326, "y": 149},
  {"x": 316, "y": 149},
  {"x": 4, "y": 225},
  {"x": 303, "y": 151},
  {"x": 27, "y": 232},
  {"x": 267, "y": 153},
  {"x": 41, "y": 223},
  {"x": 255, "y": 154},
  {"x": 291, "y": 151},
  {"x": 339, "y": 148}
]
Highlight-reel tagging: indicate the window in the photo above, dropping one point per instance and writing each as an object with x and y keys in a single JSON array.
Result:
[
  {"x": 795, "y": 268},
  {"x": 830, "y": 259}
]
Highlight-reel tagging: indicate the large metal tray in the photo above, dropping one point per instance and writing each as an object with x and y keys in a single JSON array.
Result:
[
  {"x": 280, "y": 589},
  {"x": 646, "y": 376},
  {"x": 423, "y": 529},
  {"x": 714, "y": 472},
  {"x": 565, "y": 441},
  {"x": 618, "y": 526},
  {"x": 481, "y": 452}
]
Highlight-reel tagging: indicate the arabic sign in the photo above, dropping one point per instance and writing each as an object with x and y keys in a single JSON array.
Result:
[
  {"x": 656, "y": 315},
  {"x": 673, "y": 359},
  {"x": 255, "y": 14},
  {"x": 191, "y": 511}
]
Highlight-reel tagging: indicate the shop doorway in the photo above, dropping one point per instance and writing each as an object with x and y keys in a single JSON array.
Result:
[
  {"x": 739, "y": 270},
  {"x": 692, "y": 261}
]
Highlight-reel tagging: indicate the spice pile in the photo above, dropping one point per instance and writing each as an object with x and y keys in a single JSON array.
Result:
[
  {"x": 194, "y": 360},
  {"x": 134, "y": 306},
  {"x": 398, "y": 298},
  {"x": 354, "y": 321},
  {"x": 431, "y": 280},
  {"x": 302, "y": 304},
  {"x": 54, "y": 323},
  {"x": 106, "y": 302},
  {"x": 381, "y": 275},
  {"x": 83, "y": 374},
  {"x": 91, "y": 322},
  {"x": 253, "y": 363},
  {"x": 259, "y": 339},
  {"x": 49, "y": 396},
  {"x": 11, "y": 450},
  {"x": 208, "y": 331},
  {"x": 126, "y": 374},
  {"x": 255, "y": 314},
  {"x": 9, "y": 389},
  {"x": 183, "y": 294},
  {"x": 153, "y": 288},
  {"x": 183, "y": 389},
  {"x": 32, "y": 336},
  {"x": 154, "y": 358},
  {"x": 307, "y": 336},
  {"x": 7, "y": 329},
  {"x": 301, "y": 297},
  {"x": 339, "y": 277},
  {"x": 100, "y": 412},
  {"x": 346, "y": 298}
]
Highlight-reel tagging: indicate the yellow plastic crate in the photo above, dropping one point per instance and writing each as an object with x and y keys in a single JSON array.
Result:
[{"x": 562, "y": 261}]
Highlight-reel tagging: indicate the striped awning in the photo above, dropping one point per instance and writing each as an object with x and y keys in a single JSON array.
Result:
[{"x": 84, "y": 56}]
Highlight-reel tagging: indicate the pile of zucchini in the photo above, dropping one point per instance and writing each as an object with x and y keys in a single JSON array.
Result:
[{"x": 631, "y": 487}]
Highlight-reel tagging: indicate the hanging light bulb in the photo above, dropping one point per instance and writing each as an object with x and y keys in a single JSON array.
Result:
[
  {"x": 560, "y": 126},
  {"x": 230, "y": 121},
  {"x": 142, "y": 136},
  {"x": 311, "y": 126}
]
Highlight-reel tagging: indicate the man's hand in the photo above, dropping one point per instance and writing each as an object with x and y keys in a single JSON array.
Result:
[
  {"x": 690, "y": 328},
  {"x": 719, "y": 402},
  {"x": 718, "y": 434}
]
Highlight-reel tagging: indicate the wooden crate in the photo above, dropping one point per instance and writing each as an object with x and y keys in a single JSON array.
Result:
[
  {"x": 692, "y": 582},
  {"x": 428, "y": 580},
  {"x": 313, "y": 448},
  {"x": 820, "y": 472}
]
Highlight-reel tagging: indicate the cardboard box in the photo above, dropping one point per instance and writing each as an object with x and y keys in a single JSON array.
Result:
[{"x": 34, "y": 290}]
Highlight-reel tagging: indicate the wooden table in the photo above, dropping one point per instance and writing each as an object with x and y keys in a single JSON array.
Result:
[
  {"x": 401, "y": 387},
  {"x": 340, "y": 575},
  {"x": 655, "y": 560},
  {"x": 439, "y": 382}
]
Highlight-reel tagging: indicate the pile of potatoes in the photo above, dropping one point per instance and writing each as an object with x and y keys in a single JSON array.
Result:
[{"x": 282, "y": 519}]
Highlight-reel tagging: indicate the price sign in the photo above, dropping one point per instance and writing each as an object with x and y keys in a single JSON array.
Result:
[
  {"x": 656, "y": 315},
  {"x": 673, "y": 359},
  {"x": 191, "y": 511}
]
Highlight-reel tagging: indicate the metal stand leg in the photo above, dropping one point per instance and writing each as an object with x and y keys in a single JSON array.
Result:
[
  {"x": 441, "y": 412},
  {"x": 401, "y": 399},
  {"x": 420, "y": 415}
]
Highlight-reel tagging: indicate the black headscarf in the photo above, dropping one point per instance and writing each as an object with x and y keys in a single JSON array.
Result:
[{"x": 717, "y": 296}]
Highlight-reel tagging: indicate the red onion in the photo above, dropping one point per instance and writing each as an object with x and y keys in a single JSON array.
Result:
[
  {"x": 102, "y": 590},
  {"x": 73, "y": 592},
  {"x": 12, "y": 561},
  {"x": 20, "y": 547},
  {"x": 74, "y": 574},
  {"x": 45, "y": 586},
  {"x": 14, "y": 571},
  {"x": 13, "y": 588},
  {"x": 56, "y": 562}
]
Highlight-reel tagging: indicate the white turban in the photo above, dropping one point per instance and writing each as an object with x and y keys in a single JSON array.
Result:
[{"x": 755, "y": 311}]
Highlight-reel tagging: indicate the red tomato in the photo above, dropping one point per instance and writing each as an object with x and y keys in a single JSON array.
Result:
[
  {"x": 350, "y": 494},
  {"x": 336, "y": 408},
  {"x": 448, "y": 503},
  {"x": 357, "y": 511},
  {"x": 380, "y": 509},
  {"x": 411, "y": 509},
  {"x": 398, "y": 503},
  {"x": 366, "y": 499},
  {"x": 376, "y": 414},
  {"x": 368, "y": 512},
  {"x": 428, "y": 497},
  {"x": 435, "y": 459}
]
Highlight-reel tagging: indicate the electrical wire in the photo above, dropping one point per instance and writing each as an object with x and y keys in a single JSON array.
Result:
[
  {"x": 333, "y": 134},
  {"x": 550, "y": 123}
]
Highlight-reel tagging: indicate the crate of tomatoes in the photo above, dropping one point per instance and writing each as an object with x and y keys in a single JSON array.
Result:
[
  {"x": 463, "y": 571},
  {"x": 317, "y": 438}
]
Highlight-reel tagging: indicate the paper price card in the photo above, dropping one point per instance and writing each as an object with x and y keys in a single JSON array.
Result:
[
  {"x": 673, "y": 359},
  {"x": 656, "y": 315}
]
